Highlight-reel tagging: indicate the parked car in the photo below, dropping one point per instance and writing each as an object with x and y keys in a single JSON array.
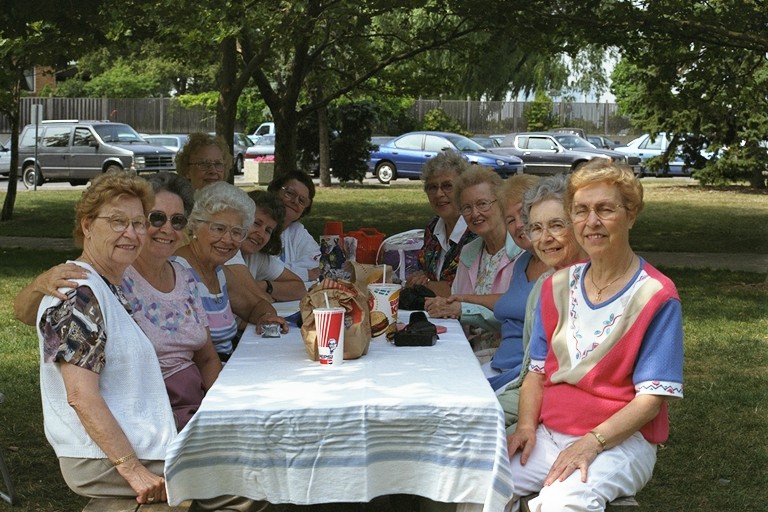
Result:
[
  {"x": 263, "y": 149},
  {"x": 240, "y": 144},
  {"x": 486, "y": 142},
  {"x": 645, "y": 147},
  {"x": 378, "y": 140},
  {"x": 172, "y": 141},
  {"x": 5, "y": 158},
  {"x": 601, "y": 141},
  {"x": 571, "y": 131},
  {"x": 576, "y": 143},
  {"x": 498, "y": 137},
  {"x": 405, "y": 155},
  {"x": 543, "y": 154},
  {"x": 76, "y": 151}
]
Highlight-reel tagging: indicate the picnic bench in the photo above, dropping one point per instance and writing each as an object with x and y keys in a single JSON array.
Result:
[
  {"x": 130, "y": 505},
  {"x": 616, "y": 505}
]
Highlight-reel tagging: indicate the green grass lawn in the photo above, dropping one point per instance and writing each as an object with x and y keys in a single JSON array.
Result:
[
  {"x": 715, "y": 458},
  {"x": 678, "y": 216}
]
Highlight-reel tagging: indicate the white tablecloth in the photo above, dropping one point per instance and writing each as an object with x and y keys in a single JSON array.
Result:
[{"x": 400, "y": 420}]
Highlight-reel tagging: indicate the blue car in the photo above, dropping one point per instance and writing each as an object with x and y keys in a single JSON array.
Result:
[{"x": 405, "y": 155}]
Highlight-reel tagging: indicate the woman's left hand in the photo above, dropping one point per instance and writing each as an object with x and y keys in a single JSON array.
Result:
[
  {"x": 269, "y": 318},
  {"x": 578, "y": 456}
]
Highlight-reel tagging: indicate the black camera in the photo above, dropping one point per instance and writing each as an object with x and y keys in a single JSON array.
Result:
[{"x": 419, "y": 332}]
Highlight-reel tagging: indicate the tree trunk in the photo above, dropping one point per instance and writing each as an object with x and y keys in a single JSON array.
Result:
[
  {"x": 13, "y": 175},
  {"x": 325, "y": 147},
  {"x": 285, "y": 141},
  {"x": 226, "y": 107}
]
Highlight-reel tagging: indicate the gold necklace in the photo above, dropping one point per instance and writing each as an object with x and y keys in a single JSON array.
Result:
[{"x": 600, "y": 290}]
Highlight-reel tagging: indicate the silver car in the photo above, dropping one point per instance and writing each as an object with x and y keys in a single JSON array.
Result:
[{"x": 5, "y": 158}]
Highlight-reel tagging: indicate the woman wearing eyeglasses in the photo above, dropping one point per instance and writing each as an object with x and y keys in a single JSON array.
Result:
[
  {"x": 204, "y": 159},
  {"x": 551, "y": 239},
  {"x": 105, "y": 407},
  {"x": 301, "y": 252},
  {"x": 606, "y": 354},
  {"x": 163, "y": 299},
  {"x": 447, "y": 233},
  {"x": 485, "y": 264},
  {"x": 219, "y": 222}
]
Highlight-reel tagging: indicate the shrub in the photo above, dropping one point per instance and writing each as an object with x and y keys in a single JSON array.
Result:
[
  {"x": 352, "y": 147},
  {"x": 539, "y": 113},
  {"x": 438, "y": 120}
]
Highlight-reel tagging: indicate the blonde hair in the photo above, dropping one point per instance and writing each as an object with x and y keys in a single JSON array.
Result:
[
  {"x": 477, "y": 175},
  {"x": 514, "y": 187},
  {"x": 108, "y": 187},
  {"x": 601, "y": 170}
]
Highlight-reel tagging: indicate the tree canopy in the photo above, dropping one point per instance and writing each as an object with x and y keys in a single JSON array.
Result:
[{"x": 701, "y": 73}]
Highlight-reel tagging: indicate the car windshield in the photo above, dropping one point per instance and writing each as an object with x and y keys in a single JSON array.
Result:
[
  {"x": 573, "y": 142},
  {"x": 117, "y": 133},
  {"x": 464, "y": 144}
]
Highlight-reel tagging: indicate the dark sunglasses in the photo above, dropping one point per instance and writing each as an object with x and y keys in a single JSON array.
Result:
[{"x": 158, "y": 220}]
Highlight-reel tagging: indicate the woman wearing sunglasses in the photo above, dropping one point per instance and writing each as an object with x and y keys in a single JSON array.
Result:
[
  {"x": 166, "y": 304},
  {"x": 219, "y": 223}
]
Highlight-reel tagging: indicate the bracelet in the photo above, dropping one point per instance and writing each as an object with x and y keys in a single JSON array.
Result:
[
  {"x": 124, "y": 458},
  {"x": 599, "y": 437}
]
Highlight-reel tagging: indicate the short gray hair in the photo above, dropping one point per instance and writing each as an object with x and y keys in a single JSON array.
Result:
[
  {"x": 447, "y": 161},
  {"x": 551, "y": 187},
  {"x": 221, "y": 197}
]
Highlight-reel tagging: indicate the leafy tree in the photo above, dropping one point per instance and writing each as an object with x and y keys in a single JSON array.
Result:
[
  {"x": 124, "y": 81},
  {"x": 699, "y": 71},
  {"x": 38, "y": 34}
]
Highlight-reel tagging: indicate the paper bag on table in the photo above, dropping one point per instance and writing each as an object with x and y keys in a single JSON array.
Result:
[
  {"x": 357, "y": 316},
  {"x": 363, "y": 274}
]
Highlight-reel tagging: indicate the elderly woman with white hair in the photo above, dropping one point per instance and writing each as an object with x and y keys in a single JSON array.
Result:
[{"x": 219, "y": 223}]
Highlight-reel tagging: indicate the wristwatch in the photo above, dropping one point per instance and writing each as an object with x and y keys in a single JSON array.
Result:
[{"x": 269, "y": 287}]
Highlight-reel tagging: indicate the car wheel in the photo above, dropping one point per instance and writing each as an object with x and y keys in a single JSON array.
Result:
[
  {"x": 114, "y": 168},
  {"x": 239, "y": 164},
  {"x": 29, "y": 175},
  {"x": 386, "y": 172}
]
